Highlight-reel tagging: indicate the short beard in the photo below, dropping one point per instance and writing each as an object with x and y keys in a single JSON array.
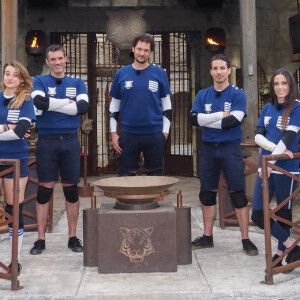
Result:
[{"x": 141, "y": 62}]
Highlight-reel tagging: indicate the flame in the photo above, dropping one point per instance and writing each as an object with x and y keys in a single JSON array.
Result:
[
  {"x": 34, "y": 43},
  {"x": 212, "y": 42}
]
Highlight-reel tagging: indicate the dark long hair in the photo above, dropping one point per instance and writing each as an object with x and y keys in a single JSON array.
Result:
[{"x": 290, "y": 99}]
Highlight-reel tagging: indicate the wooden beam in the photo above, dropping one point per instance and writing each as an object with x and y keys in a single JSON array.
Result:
[
  {"x": 9, "y": 29},
  {"x": 249, "y": 65}
]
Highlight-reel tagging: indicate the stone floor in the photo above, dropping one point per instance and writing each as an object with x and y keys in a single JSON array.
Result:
[{"x": 222, "y": 272}]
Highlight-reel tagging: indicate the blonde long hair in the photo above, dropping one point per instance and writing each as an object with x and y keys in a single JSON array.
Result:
[{"x": 23, "y": 91}]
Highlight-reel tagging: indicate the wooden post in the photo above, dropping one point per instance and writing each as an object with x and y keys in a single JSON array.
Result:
[
  {"x": 249, "y": 66},
  {"x": 9, "y": 30},
  {"x": 249, "y": 75}
]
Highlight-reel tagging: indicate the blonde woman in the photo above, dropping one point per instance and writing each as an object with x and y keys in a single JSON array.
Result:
[{"x": 16, "y": 115}]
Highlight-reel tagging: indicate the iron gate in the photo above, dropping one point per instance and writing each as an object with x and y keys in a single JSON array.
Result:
[{"x": 93, "y": 58}]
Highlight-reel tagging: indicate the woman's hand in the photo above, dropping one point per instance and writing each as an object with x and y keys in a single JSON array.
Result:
[
  {"x": 27, "y": 134},
  {"x": 269, "y": 170},
  {"x": 289, "y": 153}
]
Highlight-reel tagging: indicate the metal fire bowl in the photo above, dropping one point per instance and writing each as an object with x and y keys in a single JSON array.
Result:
[{"x": 135, "y": 189}]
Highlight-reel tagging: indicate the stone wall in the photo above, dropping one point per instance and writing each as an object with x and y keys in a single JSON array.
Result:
[
  {"x": 273, "y": 40},
  {"x": 171, "y": 15}
]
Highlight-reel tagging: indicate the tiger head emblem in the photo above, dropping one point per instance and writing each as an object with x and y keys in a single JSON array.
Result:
[{"x": 136, "y": 243}]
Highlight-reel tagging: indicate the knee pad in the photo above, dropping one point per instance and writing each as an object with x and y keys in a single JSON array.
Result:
[
  {"x": 21, "y": 220},
  {"x": 43, "y": 194},
  {"x": 286, "y": 214},
  {"x": 9, "y": 210},
  {"x": 238, "y": 199},
  {"x": 258, "y": 218},
  {"x": 71, "y": 193},
  {"x": 208, "y": 198},
  {"x": 154, "y": 173}
]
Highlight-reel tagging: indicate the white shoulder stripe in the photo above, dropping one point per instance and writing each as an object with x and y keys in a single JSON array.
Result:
[
  {"x": 166, "y": 103},
  {"x": 82, "y": 97},
  {"x": 238, "y": 114},
  {"x": 25, "y": 118},
  {"x": 37, "y": 92},
  {"x": 114, "y": 105},
  {"x": 293, "y": 128}
]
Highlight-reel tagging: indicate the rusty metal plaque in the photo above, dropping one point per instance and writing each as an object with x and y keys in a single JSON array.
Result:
[{"x": 137, "y": 241}]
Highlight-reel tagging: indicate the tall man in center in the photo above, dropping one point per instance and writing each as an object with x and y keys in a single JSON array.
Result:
[
  {"x": 141, "y": 95},
  {"x": 220, "y": 110}
]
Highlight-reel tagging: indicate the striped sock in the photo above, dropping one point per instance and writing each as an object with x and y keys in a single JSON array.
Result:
[{"x": 20, "y": 239}]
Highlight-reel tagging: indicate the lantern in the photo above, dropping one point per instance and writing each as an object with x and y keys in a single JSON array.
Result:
[
  {"x": 35, "y": 42},
  {"x": 215, "y": 40}
]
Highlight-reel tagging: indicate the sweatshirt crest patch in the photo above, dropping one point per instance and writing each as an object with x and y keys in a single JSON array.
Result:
[
  {"x": 207, "y": 107},
  {"x": 128, "y": 84},
  {"x": 51, "y": 91}
]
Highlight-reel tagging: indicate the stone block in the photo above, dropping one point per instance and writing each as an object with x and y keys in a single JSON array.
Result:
[{"x": 137, "y": 241}]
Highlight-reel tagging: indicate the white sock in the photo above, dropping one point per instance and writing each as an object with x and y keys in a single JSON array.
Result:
[
  {"x": 10, "y": 231},
  {"x": 20, "y": 239}
]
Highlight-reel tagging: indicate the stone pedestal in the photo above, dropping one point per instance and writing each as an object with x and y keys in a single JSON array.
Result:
[
  {"x": 90, "y": 237},
  {"x": 183, "y": 235},
  {"x": 137, "y": 241}
]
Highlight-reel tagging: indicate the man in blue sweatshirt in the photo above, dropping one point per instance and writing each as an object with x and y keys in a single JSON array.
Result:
[{"x": 141, "y": 96}]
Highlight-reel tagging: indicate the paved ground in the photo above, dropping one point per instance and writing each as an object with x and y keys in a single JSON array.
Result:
[{"x": 222, "y": 272}]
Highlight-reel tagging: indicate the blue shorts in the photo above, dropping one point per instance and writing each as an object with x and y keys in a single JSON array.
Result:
[
  {"x": 217, "y": 157},
  {"x": 58, "y": 152},
  {"x": 152, "y": 146},
  {"x": 24, "y": 169}
]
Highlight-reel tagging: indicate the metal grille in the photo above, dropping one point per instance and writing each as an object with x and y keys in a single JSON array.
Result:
[
  {"x": 172, "y": 52},
  {"x": 75, "y": 46},
  {"x": 261, "y": 86},
  {"x": 106, "y": 67},
  {"x": 297, "y": 78},
  {"x": 181, "y": 98}
]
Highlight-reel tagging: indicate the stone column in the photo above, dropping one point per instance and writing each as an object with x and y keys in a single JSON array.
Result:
[
  {"x": 9, "y": 29},
  {"x": 249, "y": 65}
]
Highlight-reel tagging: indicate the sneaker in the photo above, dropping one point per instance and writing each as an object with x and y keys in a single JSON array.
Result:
[
  {"x": 249, "y": 247},
  {"x": 38, "y": 247},
  {"x": 293, "y": 256},
  {"x": 19, "y": 268},
  {"x": 279, "y": 264},
  {"x": 75, "y": 244},
  {"x": 204, "y": 241}
]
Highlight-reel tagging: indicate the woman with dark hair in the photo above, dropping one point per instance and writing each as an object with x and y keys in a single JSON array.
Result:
[
  {"x": 16, "y": 115},
  {"x": 277, "y": 132}
]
